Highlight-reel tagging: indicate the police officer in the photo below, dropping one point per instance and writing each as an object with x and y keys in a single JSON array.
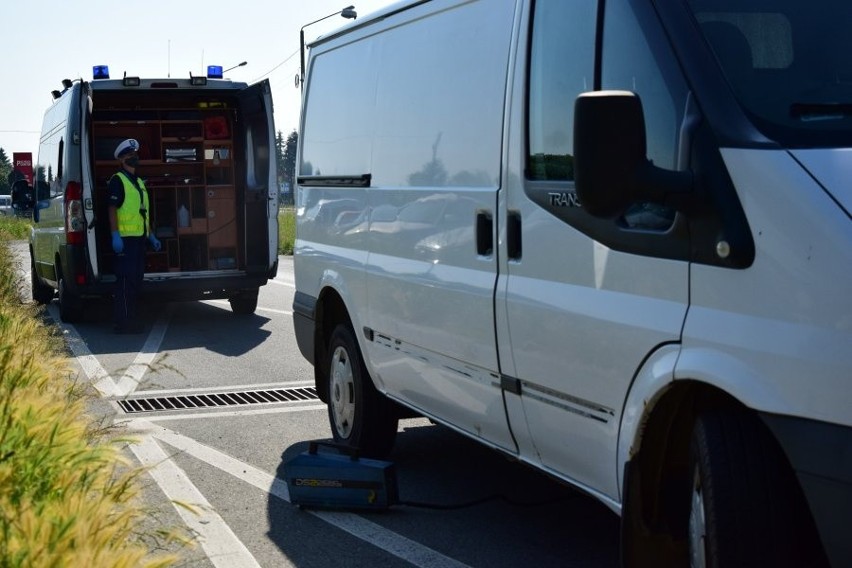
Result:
[{"x": 129, "y": 229}]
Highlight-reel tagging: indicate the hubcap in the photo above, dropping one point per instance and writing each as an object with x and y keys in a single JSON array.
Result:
[
  {"x": 697, "y": 525},
  {"x": 342, "y": 393}
]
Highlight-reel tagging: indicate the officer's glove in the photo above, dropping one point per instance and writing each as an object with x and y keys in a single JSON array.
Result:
[
  {"x": 117, "y": 243},
  {"x": 155, "y": 243}
]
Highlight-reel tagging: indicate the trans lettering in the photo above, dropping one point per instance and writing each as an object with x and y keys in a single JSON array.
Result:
[{"x": 564, "y": 199}]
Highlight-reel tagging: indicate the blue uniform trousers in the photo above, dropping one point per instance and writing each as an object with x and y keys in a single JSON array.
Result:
[{"x": 129, "y": 268}]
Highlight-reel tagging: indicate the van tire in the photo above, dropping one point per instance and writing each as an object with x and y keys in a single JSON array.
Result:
[
  {"x": 360, "y": 416},
  {"x": 70, "y": 306},
  {"x": 244, "y": 304},
  {"x": 743, "y": 507},
  {"x": 41, "y": 293}
]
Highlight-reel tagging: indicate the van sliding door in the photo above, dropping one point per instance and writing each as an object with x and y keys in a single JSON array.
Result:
[{"x": 259, "y": 178}]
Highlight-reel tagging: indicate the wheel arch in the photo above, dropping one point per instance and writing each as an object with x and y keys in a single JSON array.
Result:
[
  {"x": 658, "y": 470},
  {"x": 331, "y": 310}
]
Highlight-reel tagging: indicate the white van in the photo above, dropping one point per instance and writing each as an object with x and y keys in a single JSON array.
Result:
[
  {"x": 207, "y": 157},
  {"x": 610, "y": 239}
]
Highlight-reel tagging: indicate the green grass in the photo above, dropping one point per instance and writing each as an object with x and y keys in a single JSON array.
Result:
[
  {"x": 68, "y": 497},
  {"x": 14, "y": 228},
  {"x": 286, "y": 230}
]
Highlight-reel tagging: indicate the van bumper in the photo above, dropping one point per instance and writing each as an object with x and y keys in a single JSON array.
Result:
[
  {"x": 305, "y": 324},
  {"x": 821, "y": 455},
  {"x": 177, "y": 289}
]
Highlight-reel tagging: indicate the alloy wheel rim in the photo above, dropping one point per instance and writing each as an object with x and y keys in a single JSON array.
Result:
[
  {"x": 697, "y": 526},
  {"x": 342, "y": 389}
]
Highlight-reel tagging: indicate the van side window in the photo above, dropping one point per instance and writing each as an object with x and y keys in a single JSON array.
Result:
[
  {"x": 47, "y": 169},
  {"x": 637, "y": 57},
  {"x": 56, "y": 188},
  {"x": 562, "y": 57}
]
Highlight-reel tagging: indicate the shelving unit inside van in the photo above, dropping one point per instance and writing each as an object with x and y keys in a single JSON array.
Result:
[{"x": 186, "y": 160}]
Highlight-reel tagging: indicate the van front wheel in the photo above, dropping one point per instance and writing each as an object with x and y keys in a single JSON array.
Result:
[
  {"x": 360, "y": 416},
  {"x": 745, "y": 507}
]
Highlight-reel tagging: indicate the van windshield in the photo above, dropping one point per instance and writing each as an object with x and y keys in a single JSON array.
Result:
[{"x": 789, "y": 63}]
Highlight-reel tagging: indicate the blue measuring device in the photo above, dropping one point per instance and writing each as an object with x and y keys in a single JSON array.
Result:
[{"x": 340, "y": 479}]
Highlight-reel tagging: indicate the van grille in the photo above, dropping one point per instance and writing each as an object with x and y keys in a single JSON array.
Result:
[{"x": 215, "y": 400}]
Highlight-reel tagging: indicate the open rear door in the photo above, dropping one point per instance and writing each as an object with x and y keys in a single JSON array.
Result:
[
  {"x": 88, "y": 180},
  {"x": 261, "y": 179}
]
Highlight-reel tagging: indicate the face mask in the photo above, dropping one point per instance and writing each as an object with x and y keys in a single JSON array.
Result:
[{"x": 132, "y": 161}]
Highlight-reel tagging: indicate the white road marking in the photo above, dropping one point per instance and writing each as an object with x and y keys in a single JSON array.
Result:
[
  {"x": 258, "y": 309},
  {"x": 100, "y": 379},
  {"x": 356, "y": 525},
  {"x": 283, "y": 283},
  {"x": 219, "y": 542},
  {"x": 132, "y": 377}
]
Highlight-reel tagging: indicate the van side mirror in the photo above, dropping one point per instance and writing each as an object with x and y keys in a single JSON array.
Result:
[{"x": 611, "y": 167}]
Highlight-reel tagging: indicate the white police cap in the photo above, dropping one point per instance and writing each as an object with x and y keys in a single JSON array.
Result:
[{"x": 129, "y": 145}]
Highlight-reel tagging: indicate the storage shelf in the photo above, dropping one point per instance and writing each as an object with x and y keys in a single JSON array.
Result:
[{"x": 204, "y": 184}]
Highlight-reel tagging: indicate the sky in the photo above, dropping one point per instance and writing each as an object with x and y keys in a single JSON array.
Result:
[{"x": 46, "y": 41}]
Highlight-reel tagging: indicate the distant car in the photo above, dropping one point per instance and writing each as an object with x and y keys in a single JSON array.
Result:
[{"x": 6, "y": 205}]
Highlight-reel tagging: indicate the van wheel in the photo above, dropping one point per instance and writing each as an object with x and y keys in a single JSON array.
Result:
[
  {"x": 243, "y": 304},
  {"x": 360, "y": 416},
  {"x": 42, "y": 294},
  {"x": 743, "y": 497},
  {"x": 70, "y": 306}
]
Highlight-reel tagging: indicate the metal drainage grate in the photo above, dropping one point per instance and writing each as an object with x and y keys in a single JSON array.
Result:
[{"x": 214, "y": 400}]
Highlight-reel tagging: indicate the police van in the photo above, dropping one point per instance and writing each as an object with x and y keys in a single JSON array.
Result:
[
  {"x": 609, "y": 239},
  {"x": 207, "y": 155}
]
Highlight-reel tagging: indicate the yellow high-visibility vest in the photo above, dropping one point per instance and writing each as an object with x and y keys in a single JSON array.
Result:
[{"x": 131, "y": 221}]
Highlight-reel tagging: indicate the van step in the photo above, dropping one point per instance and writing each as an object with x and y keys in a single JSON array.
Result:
[{"x": 215, "y": 400}]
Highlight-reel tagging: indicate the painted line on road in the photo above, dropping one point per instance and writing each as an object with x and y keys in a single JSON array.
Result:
[
  {"x": 259, "y": 308},
  {"x": 132, "y": 377},
  {"x": 356, "y": 525},
  {"x": 219, "y": 542},
  {"x": 98, "y": 376},
  {"x": 283, "y": 283}
]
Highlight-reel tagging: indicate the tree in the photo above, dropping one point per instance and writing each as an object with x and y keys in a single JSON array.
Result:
[
  {"x": 289, "y": 160},
  {"x": 279, "y": 156},
  {"x": 5, "y": 171}
]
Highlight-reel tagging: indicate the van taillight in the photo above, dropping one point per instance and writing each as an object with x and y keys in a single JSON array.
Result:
[{"x": 75, "y": 222}]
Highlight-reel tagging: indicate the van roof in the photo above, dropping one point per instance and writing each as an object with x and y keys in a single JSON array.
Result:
[
  {"x": 372, "y": 17},
  {"x": 167, "y": 83}
]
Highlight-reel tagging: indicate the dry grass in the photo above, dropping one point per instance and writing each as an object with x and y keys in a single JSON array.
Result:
[{"x": 67, "y": 495}]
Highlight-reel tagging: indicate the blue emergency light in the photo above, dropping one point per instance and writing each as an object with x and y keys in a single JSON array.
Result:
[
  {"x": 100, "y": 72},
  {"x": 214, "y": 71}
]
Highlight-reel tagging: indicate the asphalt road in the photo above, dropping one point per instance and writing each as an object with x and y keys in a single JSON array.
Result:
[{"x": 225, "y": 462}]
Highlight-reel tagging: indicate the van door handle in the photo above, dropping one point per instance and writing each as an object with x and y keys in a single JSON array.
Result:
[
  {"x": 514, "y": 248},
  {"x": 484, "y": 233}
]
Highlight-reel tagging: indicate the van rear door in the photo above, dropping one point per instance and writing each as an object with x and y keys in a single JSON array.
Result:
[
  {"x": 86, "y": 177},
  {"x": 260, "y": 178}
]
